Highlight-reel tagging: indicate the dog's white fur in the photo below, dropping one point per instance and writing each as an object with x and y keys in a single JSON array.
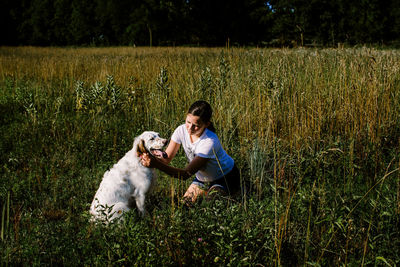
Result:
[{"x": 127, "y": 181}]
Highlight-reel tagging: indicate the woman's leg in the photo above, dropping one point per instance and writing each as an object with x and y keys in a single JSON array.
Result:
[
  {"x": 227, "y": 185},
  {"x": 216, "y": 191}
]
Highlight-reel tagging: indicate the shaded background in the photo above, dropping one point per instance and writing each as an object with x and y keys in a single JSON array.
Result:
[{"x": 199, "y": 22}]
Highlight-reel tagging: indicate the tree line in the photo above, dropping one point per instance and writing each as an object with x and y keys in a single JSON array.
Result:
[{"x": 199, "y": 22}]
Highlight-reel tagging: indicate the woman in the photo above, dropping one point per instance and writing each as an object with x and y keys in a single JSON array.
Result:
[{"x": 214, "y": 169}]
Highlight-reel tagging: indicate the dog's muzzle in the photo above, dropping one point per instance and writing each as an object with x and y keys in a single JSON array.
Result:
[{"x": 159, "y": 153}]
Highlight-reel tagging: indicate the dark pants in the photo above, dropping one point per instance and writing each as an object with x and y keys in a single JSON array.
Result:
[{"x": 230, "y": 182}]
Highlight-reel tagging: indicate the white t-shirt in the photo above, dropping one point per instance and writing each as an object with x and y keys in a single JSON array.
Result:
[{"x": 207, "y": 146}]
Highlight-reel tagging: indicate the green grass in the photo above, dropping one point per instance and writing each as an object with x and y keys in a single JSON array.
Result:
[{"x": 315, "y": 133}]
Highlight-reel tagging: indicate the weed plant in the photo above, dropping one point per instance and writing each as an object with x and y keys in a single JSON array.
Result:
[{"x": 315, "y": 133}]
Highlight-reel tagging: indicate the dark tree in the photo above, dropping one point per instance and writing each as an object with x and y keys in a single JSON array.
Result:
[{"x": 199, "y": 22}]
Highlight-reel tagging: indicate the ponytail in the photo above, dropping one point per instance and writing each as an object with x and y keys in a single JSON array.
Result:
[{"x": 211, "y": 127}]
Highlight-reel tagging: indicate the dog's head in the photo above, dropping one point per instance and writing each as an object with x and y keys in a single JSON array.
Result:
[{"x": 150, "y": 142}]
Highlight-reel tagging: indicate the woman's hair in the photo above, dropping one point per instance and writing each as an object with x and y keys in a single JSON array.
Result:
[{"x": 202, "y": 109}]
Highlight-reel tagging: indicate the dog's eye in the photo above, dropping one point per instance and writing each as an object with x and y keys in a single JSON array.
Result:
[{"x": 151, "y": 139}]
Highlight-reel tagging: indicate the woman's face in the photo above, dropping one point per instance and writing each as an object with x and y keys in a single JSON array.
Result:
[{"x": 194, "y": 125}]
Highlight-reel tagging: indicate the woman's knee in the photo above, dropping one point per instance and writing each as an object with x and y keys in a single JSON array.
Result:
[{"x": 193, "y": 193}]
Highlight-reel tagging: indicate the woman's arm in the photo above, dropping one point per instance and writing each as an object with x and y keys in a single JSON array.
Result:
[
  {"x": 171, "y": 151},
  {"x": 196, "y": 164}
]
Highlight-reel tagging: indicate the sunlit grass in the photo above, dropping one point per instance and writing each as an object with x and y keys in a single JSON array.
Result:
[{"x": 297, "y": 95}]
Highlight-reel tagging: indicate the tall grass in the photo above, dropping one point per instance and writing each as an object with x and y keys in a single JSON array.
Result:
[
  {"x": 297, "y": 95},
  {"x": 315, "y": 133}
]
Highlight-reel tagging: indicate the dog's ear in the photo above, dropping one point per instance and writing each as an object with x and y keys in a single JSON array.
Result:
[{"x": 141, "y": 148}]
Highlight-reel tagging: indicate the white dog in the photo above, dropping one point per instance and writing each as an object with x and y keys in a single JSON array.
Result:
[{"x": 127, "y": 181}]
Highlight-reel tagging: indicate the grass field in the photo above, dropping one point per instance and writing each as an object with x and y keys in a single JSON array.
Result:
[{"x": 315, "y": 132}]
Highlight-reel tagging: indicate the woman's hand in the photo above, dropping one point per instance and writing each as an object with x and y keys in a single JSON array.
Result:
[{"x": 147, "y": 160}]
